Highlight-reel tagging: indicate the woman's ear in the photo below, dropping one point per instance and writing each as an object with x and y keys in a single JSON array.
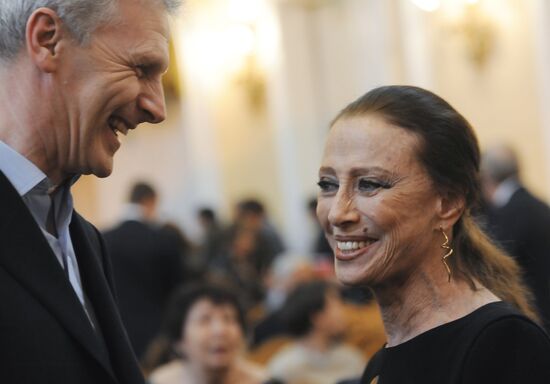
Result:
[
  {"x": 44, "y": 33},
  {"x": 449, "y": 210}
]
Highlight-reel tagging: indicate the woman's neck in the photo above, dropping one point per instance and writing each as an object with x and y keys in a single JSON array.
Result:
[
  {"x": 200, "y": 375},
  {"x": 231, "y": 375},
  {"x": 424, "y": 301}
]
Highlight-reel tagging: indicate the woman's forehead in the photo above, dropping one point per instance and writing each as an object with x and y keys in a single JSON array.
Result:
[{"x": 370, "y": 141}]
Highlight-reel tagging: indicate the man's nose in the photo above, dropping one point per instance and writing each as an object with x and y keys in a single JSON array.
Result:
[{"x": 152, "y": 105}]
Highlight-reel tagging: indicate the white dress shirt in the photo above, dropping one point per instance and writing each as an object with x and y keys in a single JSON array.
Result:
[{"x": 34, "y": 187}]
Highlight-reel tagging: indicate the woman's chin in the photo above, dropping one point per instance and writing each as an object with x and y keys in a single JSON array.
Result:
[{"x": 348, "y": 274}]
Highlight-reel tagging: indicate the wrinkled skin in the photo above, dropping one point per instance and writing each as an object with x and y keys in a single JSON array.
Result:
[
  {"x": 373, "y": 188},
  {"x": 116, "y": 76}
]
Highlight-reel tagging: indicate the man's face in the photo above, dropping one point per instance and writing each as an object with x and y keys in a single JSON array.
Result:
[{"x": 107, "y": 87}]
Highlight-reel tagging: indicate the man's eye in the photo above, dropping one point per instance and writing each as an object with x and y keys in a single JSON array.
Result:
[
  {"x": 327, "y": 186},
  {"x": 140, "y": 71}
]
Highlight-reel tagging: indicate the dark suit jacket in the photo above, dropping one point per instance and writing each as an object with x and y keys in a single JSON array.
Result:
[
  {"x": 147, "y": 266},
  {"x": 522, "y": 228},
  {"x": 45, "y": 335}
]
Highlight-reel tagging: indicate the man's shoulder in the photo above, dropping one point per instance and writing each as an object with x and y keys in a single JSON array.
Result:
[
  {"x": 89, "y": 230},
  {"x": 523, "y": 198},
  {"x": 87, "y": 226}
]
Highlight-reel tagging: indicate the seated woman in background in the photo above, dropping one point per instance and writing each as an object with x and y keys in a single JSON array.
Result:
[
  {"x": 398, "y": 180},
  {"x": 205, "y": 327},
  {"x": 314, "y": 315}
]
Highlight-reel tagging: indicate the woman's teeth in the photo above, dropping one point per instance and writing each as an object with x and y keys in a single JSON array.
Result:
[{"x": 353, "y": 245}]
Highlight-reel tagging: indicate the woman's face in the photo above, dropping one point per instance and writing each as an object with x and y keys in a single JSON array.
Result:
[
  {"x": 376, "y": 203},
  {"x": 211, "y": 337}
]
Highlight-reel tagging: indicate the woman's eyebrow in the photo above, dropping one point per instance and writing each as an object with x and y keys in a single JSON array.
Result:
[{"x": 361, "y": 171}]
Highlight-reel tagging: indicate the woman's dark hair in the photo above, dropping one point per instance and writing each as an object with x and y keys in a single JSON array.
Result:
[
  {"x": 180, "y": 304},
  {"x": 184, "y": 298},
  {"x": 449, "y": 152},
  {"x": 304, "y": 302}
]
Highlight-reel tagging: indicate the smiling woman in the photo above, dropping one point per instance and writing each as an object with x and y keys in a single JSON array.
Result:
[{"x": 398, "y": 181}]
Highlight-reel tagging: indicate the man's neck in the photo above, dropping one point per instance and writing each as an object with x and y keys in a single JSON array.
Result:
[
  {"x": 26, "y": 117},
  {"x": 504, "y": 191}
]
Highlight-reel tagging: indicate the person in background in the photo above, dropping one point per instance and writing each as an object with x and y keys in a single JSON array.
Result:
[
  {"x": 75, "y": 75},
  {"x": 252, "y": 218},
  {"x": 204, "y": 332},
  {"x": 320, "y": 247},
  {"x": 147, "y": 265},
  {"x": 288, "y": 271},
  {"x": 314, "y": 315},
  {"x": 518, "y": 221},
  {"x": 211, "y": 246},
  {"x": 398, "y": 179}
]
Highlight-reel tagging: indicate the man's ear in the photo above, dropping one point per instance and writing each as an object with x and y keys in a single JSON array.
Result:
[
  {"x": 449, "y": 209},
  {"x": 43, "y": 34}
]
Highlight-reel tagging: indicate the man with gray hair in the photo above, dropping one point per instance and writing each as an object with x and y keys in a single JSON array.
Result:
[
  {"x": 519, "y": 222},
  {"x": 75, "y": 75}
]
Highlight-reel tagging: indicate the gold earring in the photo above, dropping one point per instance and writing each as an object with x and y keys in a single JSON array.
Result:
[{"x": 449, "y": 250}]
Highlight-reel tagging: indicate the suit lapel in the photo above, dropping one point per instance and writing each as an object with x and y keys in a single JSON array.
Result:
[
  {"x": 27, "y": 256},
  {"x": 97, "y": 287}
]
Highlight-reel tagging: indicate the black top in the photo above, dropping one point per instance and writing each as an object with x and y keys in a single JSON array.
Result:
[{"x": 493, "y": 344}]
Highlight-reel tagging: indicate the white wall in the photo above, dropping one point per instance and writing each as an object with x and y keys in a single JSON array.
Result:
[{"x": 217, "y": 147}]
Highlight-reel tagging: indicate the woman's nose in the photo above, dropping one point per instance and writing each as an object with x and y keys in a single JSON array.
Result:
[{"x": 343, "y": 211}]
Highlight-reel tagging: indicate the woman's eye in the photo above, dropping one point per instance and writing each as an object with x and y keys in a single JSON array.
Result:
[
  {"x": 368, "y": 185},
  {"x": 327, "y": 186}
]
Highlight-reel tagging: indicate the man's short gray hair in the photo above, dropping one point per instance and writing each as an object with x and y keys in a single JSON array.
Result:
[{"x": 81, "y": 18}]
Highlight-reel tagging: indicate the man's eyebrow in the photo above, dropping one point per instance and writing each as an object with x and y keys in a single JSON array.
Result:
[{"x": 152, "y": 60}]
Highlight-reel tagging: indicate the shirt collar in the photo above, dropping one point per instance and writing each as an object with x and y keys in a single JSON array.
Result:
[
  {"x": 24, "y": 175},
  {"x": 504, "y": 192},
  {"x": 20, "y": 171}
]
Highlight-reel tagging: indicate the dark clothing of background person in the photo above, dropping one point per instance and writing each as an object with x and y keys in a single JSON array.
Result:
[
  {"x": 147, "y": 266},
  {"x": 210, "y": 250},
  {"x": 493, "y": 344},
  {"x": 522, "y": 227},
  {"x": 45, "y": 335}
]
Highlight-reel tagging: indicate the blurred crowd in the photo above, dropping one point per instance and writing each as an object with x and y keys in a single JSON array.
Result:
[
  {"x": 237, "y": 307},
  {"x": 235, "y": 303}
]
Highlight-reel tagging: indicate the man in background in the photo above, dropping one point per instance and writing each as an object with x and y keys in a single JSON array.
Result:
[
  {"x": 75, "y": 75},
  {"x": 147, "y": 266},
  {"x": 519, "y": 222}
]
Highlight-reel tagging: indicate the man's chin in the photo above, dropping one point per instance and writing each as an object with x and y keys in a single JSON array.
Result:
[
  {"x": 103, "y": 173},
  {"x": 100, "y": 171}
]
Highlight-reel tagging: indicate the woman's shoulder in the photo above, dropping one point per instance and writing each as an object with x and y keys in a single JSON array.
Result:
[
  {"x": 509, "y": 349},
  {"x": 467, "y": 328},
  {"x": 494, "y": 336},
  {"x": 503, "y": 317},
  {"x": 250, "y": 372},
  {"x": 170, "y": 373}
]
